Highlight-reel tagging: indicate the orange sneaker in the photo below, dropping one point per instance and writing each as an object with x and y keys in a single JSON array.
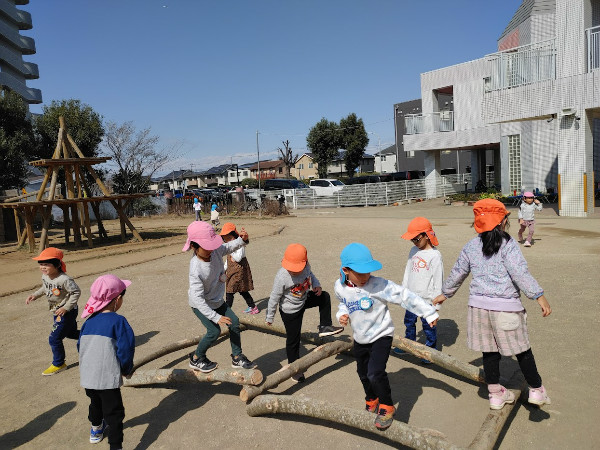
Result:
[
  {"x": 372, "y": 405},
  {"x": 385, "y": 417}
]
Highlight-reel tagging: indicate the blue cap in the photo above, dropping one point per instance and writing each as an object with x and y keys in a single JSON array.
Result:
[
  {"x": 213, "y": 207},
  {"x": 195, "y": 200},
  {"x": 358, "y": 258}
]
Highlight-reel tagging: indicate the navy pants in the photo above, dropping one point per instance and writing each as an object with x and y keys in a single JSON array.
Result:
[
  {"x": 410, "y": 322},
  {"x": 371, "y": 360},
  {"x": 107, "y": 404},
  {"x": 66, "y": 327}
]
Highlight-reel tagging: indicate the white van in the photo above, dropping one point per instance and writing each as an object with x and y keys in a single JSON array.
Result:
[{"x": 326, "y": 186}]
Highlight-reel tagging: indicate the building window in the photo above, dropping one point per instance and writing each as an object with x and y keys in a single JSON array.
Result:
[
  {"x": 383, "y": 158},
  {"x": 281, "y": 170},
  {"x": 514, "y": 162},
  {"x": 300, "y": 166},
  {"x": 310, "y": 165}
]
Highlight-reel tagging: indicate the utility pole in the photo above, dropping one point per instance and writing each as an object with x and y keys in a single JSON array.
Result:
[
  {"x": 258, "y": 171},
  {"x": 396, "y": 113}
]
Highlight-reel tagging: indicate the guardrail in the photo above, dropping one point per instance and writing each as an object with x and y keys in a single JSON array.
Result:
[{"x": 593, "y": 45}]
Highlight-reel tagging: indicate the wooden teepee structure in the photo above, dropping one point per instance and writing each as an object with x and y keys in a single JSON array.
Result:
[{"x": 79, "y": 194}]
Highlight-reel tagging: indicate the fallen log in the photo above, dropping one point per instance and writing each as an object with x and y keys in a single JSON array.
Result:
[
  {"x": 168, "y": 376},
  {"x": 441, "y": 359},
  {"x": 399, "y": 432},
  {"x": 333, "y": 348},
  {"x": 492, "y": 426}
]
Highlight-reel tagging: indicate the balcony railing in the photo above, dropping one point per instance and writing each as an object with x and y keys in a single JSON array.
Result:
[
  {"x": 593, "y": 45},
  {"x": 429, "y": 123},
  {"x": 522, "y": 65}
]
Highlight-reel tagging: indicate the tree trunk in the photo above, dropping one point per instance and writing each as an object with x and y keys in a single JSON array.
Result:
[
  {"x": 300, "y": 365},
  {"x": 168, "y": 376},
  {"x": 399, "y": 432},
  {"x": 492, "y": 426}
]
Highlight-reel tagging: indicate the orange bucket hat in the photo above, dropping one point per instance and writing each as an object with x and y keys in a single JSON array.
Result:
[
  {"x": 52, "y": 253},
  {"x": 228, "y": 227},
  {"x": 295, "y": 258},
  {"x": 421, "y": 225},
  {"x": 489, "y": 213}
]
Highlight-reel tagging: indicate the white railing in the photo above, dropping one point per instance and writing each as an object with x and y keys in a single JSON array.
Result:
[
  {"x": 428, "y": 123},
  {"x": 522, "y": 65},
  {"x": 593, "y": 45}
]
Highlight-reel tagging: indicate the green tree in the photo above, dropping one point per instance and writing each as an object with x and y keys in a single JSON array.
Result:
[
  {"x": 324, "y": 141},
  {"x": 18, "y": 143},
  {"x": 354, "y": 140}
]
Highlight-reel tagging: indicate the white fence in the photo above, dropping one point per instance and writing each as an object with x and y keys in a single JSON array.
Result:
[{"x": 429, "y": 123}]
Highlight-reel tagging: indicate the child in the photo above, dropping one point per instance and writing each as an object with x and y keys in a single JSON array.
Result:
[
  {"x": 106, "y": 348},
  {"x": 423, "y": 275},
  {"x": 197, "y": 208},
  {"x": 295, "y": 289},
  {"x": 527, "y": 210},
  {"x": 363, "y": 303},
  {"x": 207, "y": 286},
  {"x": 496, "y": 319},
  {"x": 237, "y": 270},
  {"x": 214, "y": 216},
  {"x": 62, "y": 294}
]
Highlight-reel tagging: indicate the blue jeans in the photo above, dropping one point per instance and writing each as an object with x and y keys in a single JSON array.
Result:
[
  {"x": 410, "y": 322},
  {"x": 66, "y": 327},
  {"x": 213, "y": 330}
]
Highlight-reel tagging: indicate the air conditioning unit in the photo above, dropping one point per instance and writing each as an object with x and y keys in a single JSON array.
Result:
[{"x": 569, "y": 111}]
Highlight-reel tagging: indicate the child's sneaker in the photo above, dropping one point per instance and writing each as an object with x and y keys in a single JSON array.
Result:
[
  {"x": 425, "y": 361},
  {"x": 398, "y": 351},
  {"x": 527, "y": 244},
  {"x": 203, "y": 365},
  {"x": 247, "y": 310},
  {"x": 499, "y": 396},
  {"x": 328, "y": 330},
  {"x": 298, "y": 377},
  {"x": 242, "y": 362},
  {"x": 538, "y": 396},
  {"x": 252, "y": 311},
  {"x": 372, "y": 405},
  {"x": 385, "y": 417},
  {"x": 54, "y": 369},
  {"x": 97, "y": 433}
]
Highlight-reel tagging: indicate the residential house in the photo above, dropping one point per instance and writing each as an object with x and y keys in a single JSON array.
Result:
[
  {"x": 237, "y": 173},
  {"x": 305, "y": 168},
  {"x": 338, "y": 167},
  {"x": 216, "y": 176},
  {"x": 268, "y": 169}
]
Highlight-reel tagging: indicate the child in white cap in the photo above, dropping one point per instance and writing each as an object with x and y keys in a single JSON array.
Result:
[
  {"x": 106, "y": 348},
  {"x": 207, "y": 288},
  {"x": 363, "y": 303}
]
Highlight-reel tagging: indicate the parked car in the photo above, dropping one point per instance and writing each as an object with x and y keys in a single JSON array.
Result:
[
  {"x": 283, "y": 183},
  {"x": 326, "y": 186},
  {"x": 364, "y": 179},
  {"x": 402, "y": 175}
]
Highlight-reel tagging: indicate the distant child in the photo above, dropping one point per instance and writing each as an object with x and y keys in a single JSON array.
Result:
[
  {"x": 106, "y": 348},
  {"x": 237, "y": 270},
  {"x": 207, "y": 287},
  {"x": 496, "y": 318},
  {"x": 62, "y": 294},
  {"x": 214, "y": 216},
  {"x": 423, "y": 275},
  {"x": 295, "y": 289},
  {"x": 363, "y": 303},
  {"x": 197, "y": 208},
  {"x": 527, "y": 210}
]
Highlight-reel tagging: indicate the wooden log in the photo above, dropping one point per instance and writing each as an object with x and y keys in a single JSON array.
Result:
[
  {"x": 29, "y": 217},
  {"x": 399, "y": 432},
  {"x": 168, "y": 376},
  {"x": 300, "y": 365},
  {"x": 448, "y": 362},
  {"x": 17, "y": 224},
  {"x": 492, "y": 426},
  {"x": 123, "y": 217}
]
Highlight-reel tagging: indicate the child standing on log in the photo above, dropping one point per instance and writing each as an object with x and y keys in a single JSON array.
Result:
[
  {"x": 295, "y": 289},
  {"x": 363, "y": 303},
  {"x": 62, "y": 294},
  {"x": 207, "y": 287},
  {"x": 106, "y": 349},
  {"x": 496, "y": 318},
  {"x": 423, "y": 275},
  {"x": 237, "y": 270}
]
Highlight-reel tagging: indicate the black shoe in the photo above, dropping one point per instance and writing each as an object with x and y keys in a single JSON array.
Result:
[
  {"x": 242, "y": 362},
  {"x": 298, "y": 378},
  {"x": 203, "y": 365},
  {"x": 328, "y": 330}
]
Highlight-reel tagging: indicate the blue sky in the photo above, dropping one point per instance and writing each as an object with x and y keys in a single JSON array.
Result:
[{"x": 211, "y": 74}]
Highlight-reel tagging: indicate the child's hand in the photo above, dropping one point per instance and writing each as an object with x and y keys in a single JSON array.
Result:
[
  {"x": 317, "y": 290},
  {"x": 343, "y": 320},
  {"x": 433, "y": 324},
  {"x": 439, "y": 299},
  {"x": 60, "y": 312},
  {"x": 224, "y": 320},
  {"x": 244, "y": 234},
  {"x": 536, "y": 201},
  {"x": 269, "y": 323},
  {"x": 520, "y": 221},
  {"x": 546, "y": 310},
  {"x": 29, "y": 299}
]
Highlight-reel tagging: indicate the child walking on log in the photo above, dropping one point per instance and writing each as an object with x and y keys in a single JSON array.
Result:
[
  {"x": 62, "y": 294},
  {"x": 496, "y": 318},
  {"x": 207, "y": 287},
  {"x": 363, "y": 304},
  {"x": 237, "y": 270}
]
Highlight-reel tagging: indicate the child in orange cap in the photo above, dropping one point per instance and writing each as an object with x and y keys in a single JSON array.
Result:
[
  {"x": 237, "y": 270},
  {"x": 496, "y": 318},
  {"x": 423, "y": 275},
  {"x": 295, "y": 289},
  {"x": 62, "y": 294}
]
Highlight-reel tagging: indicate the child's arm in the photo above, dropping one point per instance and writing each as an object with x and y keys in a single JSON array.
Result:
[
  {"x": 395, "y": 293},
  {"x": 315, "y": 283},
  {"x": 275, "y": 298},
  {"x": 232, "y": 246},
  {"x": 238, "y": 255},
  {"x": 37, "y": 294},
  {"x": 343, "y": 314},
  {"x": 196, "y": 297},
  {"x": 73, "y": 296},
  {"x": 516, "y": 265},
  {"x": 125, "y": 346},
  {"x": 538, "y": 205},
  {"x": 437, "y": 276},
  {"x": 458, "y": 274}
]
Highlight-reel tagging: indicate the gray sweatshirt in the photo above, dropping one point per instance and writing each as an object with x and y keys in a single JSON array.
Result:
[
  {"x": 207, "y": 280},
  {"x": 61, "y": 292},
  {"x": 289, "y": 292},
  {"x": 527, "y": 211}
]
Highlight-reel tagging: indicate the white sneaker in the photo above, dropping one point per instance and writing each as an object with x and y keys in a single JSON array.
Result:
[{"x": 527, "y": 244}]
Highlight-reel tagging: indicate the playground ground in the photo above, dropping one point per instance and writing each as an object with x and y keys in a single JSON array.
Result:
[{"x": 51, "y": 412}]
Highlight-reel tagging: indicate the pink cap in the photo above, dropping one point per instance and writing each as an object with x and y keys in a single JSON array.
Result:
[
  {"x": 104, "y": 290},
  {"x": 528, "y": 194},
  {"x": 203, "y": 234}
]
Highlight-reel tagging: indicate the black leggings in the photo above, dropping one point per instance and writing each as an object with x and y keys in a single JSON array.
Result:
[
  {"x": 246, "y": 295},
  {"x": 491, "y": 367},
  {"x": 107, "y": 404}
]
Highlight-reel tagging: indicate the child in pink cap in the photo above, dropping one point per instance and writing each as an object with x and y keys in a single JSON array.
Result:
[
  {"x": 106, "y": 348},
  {"x": 206, "y": 292},
  {"x": 527, "y": 210}
]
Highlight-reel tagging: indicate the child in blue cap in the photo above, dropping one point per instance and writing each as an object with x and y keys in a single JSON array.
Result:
[{"x": 363, "y": 303}]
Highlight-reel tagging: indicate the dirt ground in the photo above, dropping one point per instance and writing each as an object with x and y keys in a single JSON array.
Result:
[{"x": 51, "y": 412}]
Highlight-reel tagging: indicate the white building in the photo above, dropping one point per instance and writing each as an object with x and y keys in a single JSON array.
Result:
[{"x": 534, "y": 103}]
